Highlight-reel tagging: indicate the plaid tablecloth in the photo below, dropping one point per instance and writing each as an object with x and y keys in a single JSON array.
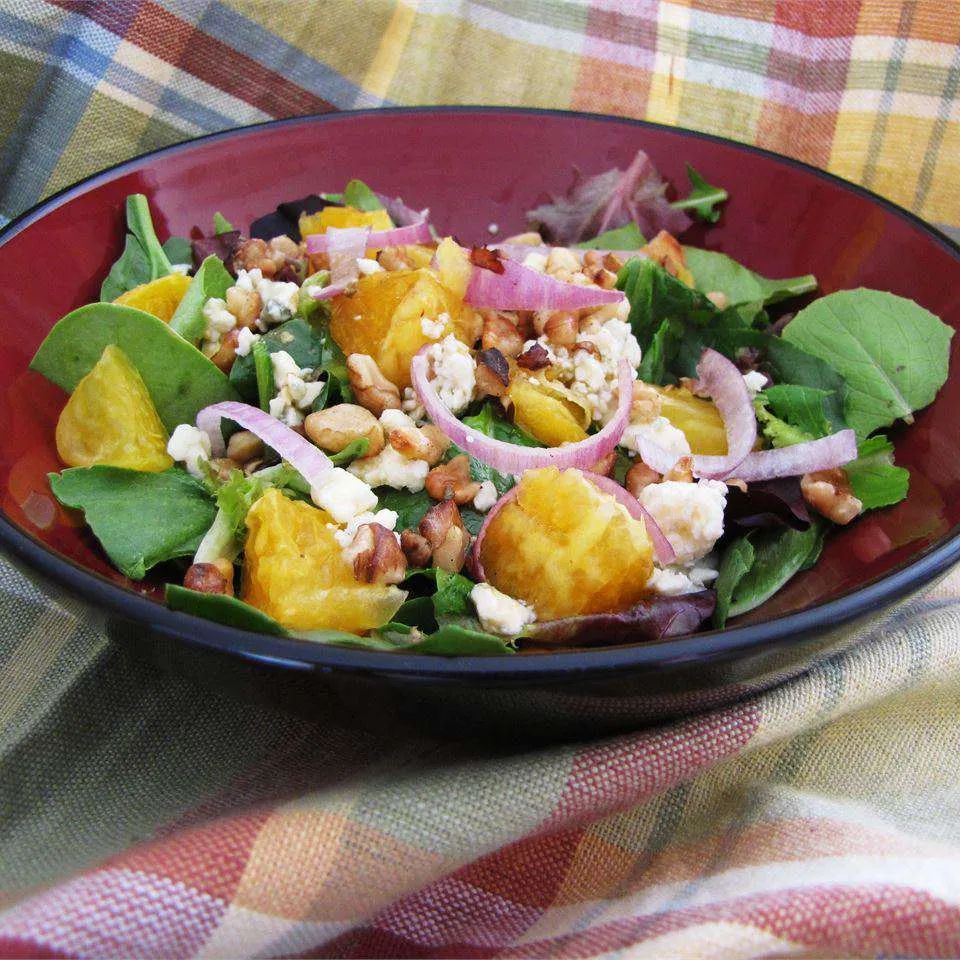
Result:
[{"x": 146, "y": 813}]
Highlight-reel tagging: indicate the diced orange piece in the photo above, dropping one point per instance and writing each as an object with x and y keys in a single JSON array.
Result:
[
  {"x": 110, "y": 419},
  {"x": 294, "y": 571},
  {"x": 161, "y": 297},
  {"x": 566, "y": 548}
]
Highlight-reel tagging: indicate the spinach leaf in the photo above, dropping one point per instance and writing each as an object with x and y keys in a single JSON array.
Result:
[
  {"x": 178, "y": 250},
  {"x": 892, "y": 353},
  {"x": 296, "y": 337},
  {"x": 358, "y": 195},
  {"x": 356, "y": 448},
  {"x": 736, "y": 562},
  {"x": 337, "y": 199},
  {"x": 221, "y": 224},
  {"x": 778, "y": 555},
  {"x": 222, "y": 609},
  {"x": 627, "y": 237},
  {"x": 263, "y": 371},
  {"x": 716, "y": 271},
  {"x": 454, "y": 640},
  {"x": 488, "y": 423},
  {"x": 143, "y": 258},
  {"x": 874, "y": 478},
  {"x": 139, "y": 518},
  {"x": 800, "y": 406},
  {"x": 663, "y": 347},
  {"x": 210, "y": 280},
  {"x": 337, "y": 386},
  {"x": 451, "y": 602},
  {"x": 417, "y": 612},
  {"x": 181, "y": 380},
  {"x": 410, "y": 507},
  {"x": 703, "y": 199}
]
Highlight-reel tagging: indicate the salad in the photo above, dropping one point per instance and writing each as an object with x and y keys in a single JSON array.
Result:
[{"x": 341, "y": 426}]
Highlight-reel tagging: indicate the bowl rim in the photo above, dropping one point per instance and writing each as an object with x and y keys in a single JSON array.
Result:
[{"x": 291, "y": 652}]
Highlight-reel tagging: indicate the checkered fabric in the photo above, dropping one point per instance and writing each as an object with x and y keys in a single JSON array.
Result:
[{"x": 147, "y": 812}]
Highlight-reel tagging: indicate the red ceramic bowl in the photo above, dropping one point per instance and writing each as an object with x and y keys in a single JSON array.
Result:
[{"x": 473, "y": 167}]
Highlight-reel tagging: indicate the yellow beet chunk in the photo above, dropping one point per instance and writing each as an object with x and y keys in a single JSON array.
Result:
[
  {"x": 342, "y": 217},
  {"x": 384, "y": 318},
  {"x": 294, "y": 571},
  {"x": 698, "y": 418},
  {"x": 110, "y": 419},
  {"x": 161, "y": 297},
  {"x": 542, "y": 410},
  {"x": 566, "y": 548},
  {"x": 453, "y": 265}
]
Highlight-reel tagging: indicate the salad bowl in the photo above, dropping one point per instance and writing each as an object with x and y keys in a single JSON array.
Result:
[{"x": 480, "y": 169}]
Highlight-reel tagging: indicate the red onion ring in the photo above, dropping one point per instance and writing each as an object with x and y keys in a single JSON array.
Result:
[
  {"x": 823, "y": 454},
  {"x": 418, "y": 232},
  {"x": 519, "y": 288},
  {"x": 509, "y": 457},
  {"x": 661, "y": 545},
  {"x": 310, "y": 462}
]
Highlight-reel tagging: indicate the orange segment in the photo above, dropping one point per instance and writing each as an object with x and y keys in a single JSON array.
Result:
[
  {"x": 110, "y": 419},
  {"x": 342, "y": 217},
  {"x": 699, "y": 419},
  {"x": 545, "y": 412},
  {"x": 384, "y": 318},
  {"x": 161, "y": 297},
  {"x": 294, "y": 571},
  {"x": 566, "y": 548}
]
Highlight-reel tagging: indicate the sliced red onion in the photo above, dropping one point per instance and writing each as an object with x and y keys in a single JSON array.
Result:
[
  {"x": 418, "y": 232},
  {"x": 519, "y": 288},
  {"x": 661, "y": 545},
  {"x": 345, "y": 246},
  {"x": 823, "y": 454},
  {"x": 510, "y": 457},
  {"x": 720, "y": 378},
  {"x": 328, "y": 292},
  {"x": 302, "y": 455},
  {"x": 400, "y": 213}
]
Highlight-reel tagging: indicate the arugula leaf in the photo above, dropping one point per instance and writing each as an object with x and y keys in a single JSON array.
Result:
[
  {"x": 736, "y": 562},
  {"x": 356, "y": 448},
  {"x": 210, "y": 280},
  {"x": 140, "y": 519},
  {"x": 358, "y": 195},
  {"x": 716, "y": 271},
  {"x": 627, "y": 237},
  {"x": 180, "y": 379},
  {"x": 892, "y": 353},
  {"x": 143, "y": 258},
  {"x": 800, "y": 406},
  {"x": 221, "y": 224},
  {"x": 222, "y": 609},
  {"x": 263, "y": 371},
  {"x": 874, "y": 479},
  {"x": 296, "y": 337},
  {"x": 178, "y": 250},
  {"x": 778, "y": 555},
  {"x": 703, "y": 199}
]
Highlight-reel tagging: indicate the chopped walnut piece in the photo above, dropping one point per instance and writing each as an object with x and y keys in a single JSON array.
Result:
[
  {"x": 371, "y": 388},
  {"x": 596, "y": 270},
  {"x": 561, "y": 328},
  {"x": 682, "y": 471},
  {"x": 640, "y": 476},
  {"x": 493, "y": 373},
  {"x": 253, "y": 254},
  {"x": 210, "y": 577},
  {"x": 452, "y": 481},
  {"x": 443, "y": 529},
  {"x": 499, "y": 333},
  {"x": 393, "y": 258},
  {"x": 376, "y": 556},
  {"x": 245, "y": 305},
  {"x": 416, "y": 548},
  {"x": 534, "y": 358},
  {"x": 227, "y": 352},
  {"x": 587, "y": 347},
  {"x": 605, "y": 464},
  {"x": 666, "y": 250},
  {"x": 339, "y": 426},
  {"x": 647, "y": 403},
  {"x": 427, "y": 443},
  {"x": 830, "y": 494},
  {"x": 244, "y": 446},
  {"x": 741, "y": 485}
]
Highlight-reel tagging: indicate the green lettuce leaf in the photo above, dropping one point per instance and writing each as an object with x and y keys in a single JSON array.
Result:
[
  {"x": 627, "y": 237},
  {"x": 891, "y": 352},
  {"x": 735, "y": 563},
  {"x": 140, "y": 519},
  {"x": 357, "y": 194},
  {"x": 716, "y": 271},
  {"x": 221, "y": 224},
  {"x": 143, "y": 258},
  {"x": 874, "y": 478},
  {"x": 210, "y": 280},
  {"x": 800, "y": 406}
]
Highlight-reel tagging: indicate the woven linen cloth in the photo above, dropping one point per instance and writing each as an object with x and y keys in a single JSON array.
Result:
[{"x": 145, "y": 812}]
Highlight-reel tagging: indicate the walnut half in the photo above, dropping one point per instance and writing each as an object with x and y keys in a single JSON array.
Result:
[
  {"x": 830, "y": 494},
  {"x": 376, "y": 556},
  {"x": 371, "y": 388},
  {"x": 449, "y": 540}
]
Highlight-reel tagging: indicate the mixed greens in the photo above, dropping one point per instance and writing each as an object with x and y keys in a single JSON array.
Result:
[{"x": 346, "y": 429}]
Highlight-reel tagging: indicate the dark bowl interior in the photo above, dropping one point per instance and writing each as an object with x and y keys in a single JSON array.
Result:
[{"x": 474, "y": 167}]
